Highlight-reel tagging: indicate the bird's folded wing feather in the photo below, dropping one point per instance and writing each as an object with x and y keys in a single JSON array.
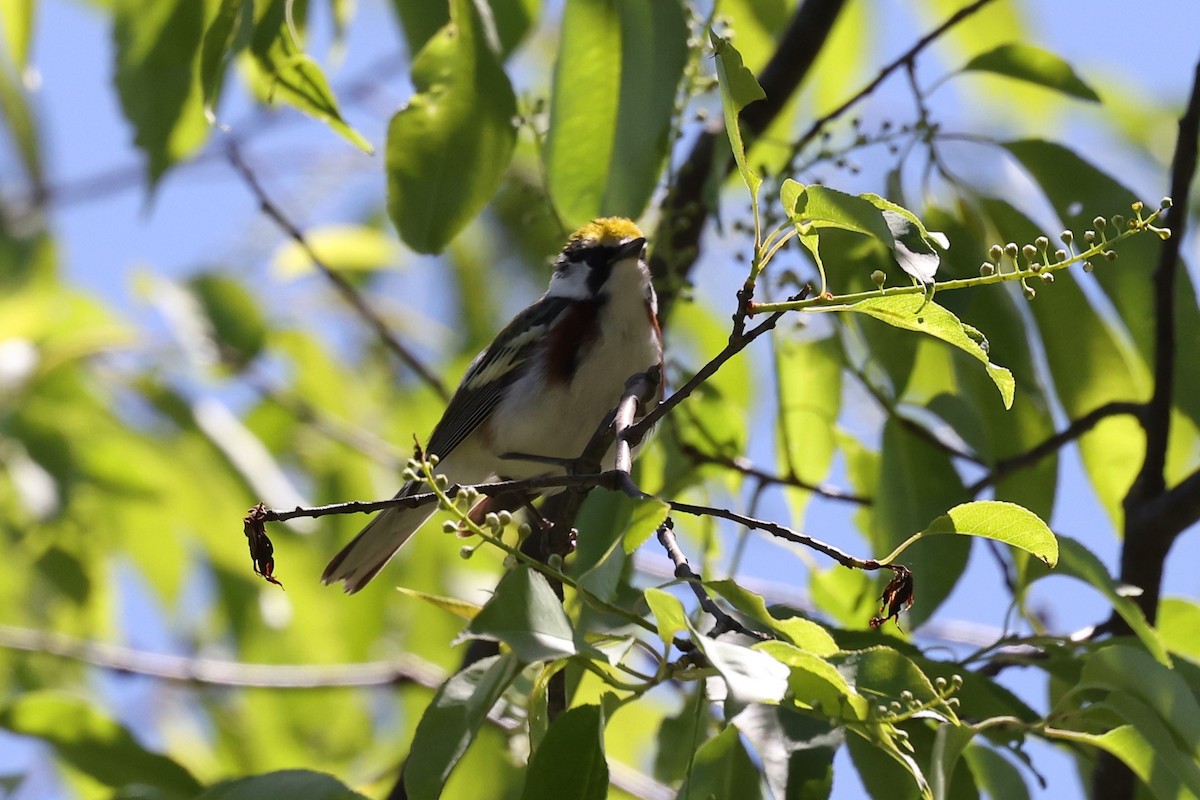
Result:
[{"x": 511, "y": 355}]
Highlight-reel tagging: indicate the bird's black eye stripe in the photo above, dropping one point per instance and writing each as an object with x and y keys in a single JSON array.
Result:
[{"x": 599, "y": 259}]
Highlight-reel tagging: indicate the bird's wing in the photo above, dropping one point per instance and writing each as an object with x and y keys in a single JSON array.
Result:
[{"x": 507, "y": 358}]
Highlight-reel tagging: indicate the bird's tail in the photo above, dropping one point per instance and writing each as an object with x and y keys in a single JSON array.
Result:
[{"x": 374, "y": 546}]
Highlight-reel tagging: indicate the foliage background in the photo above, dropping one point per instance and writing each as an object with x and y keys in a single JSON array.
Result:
[{"x": 138, "y": 427}]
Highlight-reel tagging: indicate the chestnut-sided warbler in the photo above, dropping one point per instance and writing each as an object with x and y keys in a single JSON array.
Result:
[{"x": 540, "y": 388}]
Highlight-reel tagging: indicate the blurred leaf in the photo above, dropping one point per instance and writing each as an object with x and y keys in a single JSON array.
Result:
[
  {"x": 949, "y": 742},
  {"x": 448, "y": 149},
  {"x": 884, "y": 674},
  {"x": 16, "y": 24},
  {"x": 94, "y": 744},
  {"x": 739, "y": 88},
  {"x": 236, "y": 318},
  {"x": 803, "y": 633},
  {"x": 459, "y": 608},
  {"x": 15, "y": 110},
  {"x": 292, "y": 75},
  {"x": 796, "y": 750},
  {"x": 524, "y": 614},
  {"x": 227, "y": 33},
  {"x": 886, "y": 772},
  {"x": 994, "y": 773},
  {"x": 1002, "y": 522},
  {"x": 809, "y": 376},
  {"x": 1026, "y": 62},
  {"x": 1178, "y": 621},
  {"x": 914, "y": 313},
  {"x": 342, "y": 248},
  {"x": 292, "y": 784},
  {"x": 613, "y": 96},
  {"x": 451, "y": 722},
  {"x": 421, "y": 20},
  {"x": 679, "y": 735},
  {"x": 668, "y": 613},
  {"x": 722, "y": 770},
  {"x": 570, "y": 758},
  {"x": 157, "y": 77}
]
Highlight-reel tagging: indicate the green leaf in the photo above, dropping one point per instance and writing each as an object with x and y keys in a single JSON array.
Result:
[
  {"x": 157, "y": 77},
  {"x": 1033, "y": 65},
  {"x": 796, "y": 750},
  {"x": 668, "y": 612},
  {"x": 912, "y": 243},
  {"x": 288, "y": 784},
  {"x": 648, "y": 516},
  {"x": 884, "y": 674},
  {"x": 809, "y": 376},
  {"x": 1003, "y": 522},
  {"x": 452, "y": 720},
  {"x": 452, "y": 605},
  {"x": 448, "y": 149},
  {"x": 421, "y": 20},
  {"x": 94, "y": 744},
  {"x": 917, "y": 482},
  {"x": 571, "y": 755},
  {"x": 293, "y": 76},
  {"x": 816, "y": 683},
  {"x": 613, "y": 95},
  {"x": 237, "y": 321},
  {"x": 1149, "y": 753},
  {"x": 752, "y": 676},
  {"x": 229, "y": 32},
  {"x": 1178, "y": 621},
  {"x": 1078, "y": 562},
  {"x": 525, "y": 615},
  {"x": 803, "y": 633},
  {"x": 948, "y": 744},
  {"x": 912, "y": 312},
  {"x": 886, "y": 770},
  {"x": 822, "y": 207},
  {"x": 1130, "y": 672},
  {"x": 994, "y": 773},
  {"x": 22, "y": 127},
  {"x": 739, "y": 89},
  {"x": 16, "y": 25},
  {"x": 722, "y": 770},
  {"x": 342, "y": 248}
]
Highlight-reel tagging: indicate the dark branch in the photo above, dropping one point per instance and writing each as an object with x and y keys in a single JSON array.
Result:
[
  {"x": 1006, "y": 466},
  {"x": 344, "y": 288},
  {"x": 684, "y": 572},
  {"x": 746, "y": 467}
]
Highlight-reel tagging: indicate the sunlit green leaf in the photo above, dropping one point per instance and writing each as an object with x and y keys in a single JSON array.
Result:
[
  {"x": 459, "y": 608},
  {"x": 752, "y": 676},
  {"x": 801, "y": 632},
  {"x": 612, "y": 98},
  {"x": 912, "y": 312},
  {"x": 1003, "y": 522},
  {"x": 1178, "y": 621},
  {"x": 236, "y": 318},
  {"x": 739, "y": 88},
  {"x": 994, "y": 773},
  {"x": 227, "y": 33},
  {"x": 343, "y": 248},
  {"x": 1026, "y": 62},
  {"x": 292, "y": 76},
  {"x": 821, "y": 207},
  {"x": 94, "y": 744},
  {"x": 18, "y": 117},
  {"x": 16, "y": 25},
  {"x": 157, "y": 77},
  {"x": 796, "y": 750},
  {"x": 810, "y": 395},
  {"x": 668, "y": 613},
  {"x": 449, "y": 147}
]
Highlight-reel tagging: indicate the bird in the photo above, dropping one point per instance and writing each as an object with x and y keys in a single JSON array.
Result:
[{"x": 541, "y": 388}]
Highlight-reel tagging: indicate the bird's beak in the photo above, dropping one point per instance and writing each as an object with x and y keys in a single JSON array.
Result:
[{"x": 631, "y": 249}]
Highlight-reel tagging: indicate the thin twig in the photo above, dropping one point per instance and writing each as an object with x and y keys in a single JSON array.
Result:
[
  {"x": 684, "y": 572},
  {"x": 344, "y": 287},
  {"x": 744, "y": 466},
  {"x": 1054, "y": 443},
  {"x": 903, "y": 61}
]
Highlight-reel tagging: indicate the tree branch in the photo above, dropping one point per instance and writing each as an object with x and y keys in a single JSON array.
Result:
[
  {"x": 1054, "y": 443},
  {"x": 744, "y": 466},
  {"x": 344, "y": 288}
]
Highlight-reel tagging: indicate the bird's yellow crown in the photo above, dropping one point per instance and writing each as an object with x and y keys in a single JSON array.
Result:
[{"x": 606, "y": 231}]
